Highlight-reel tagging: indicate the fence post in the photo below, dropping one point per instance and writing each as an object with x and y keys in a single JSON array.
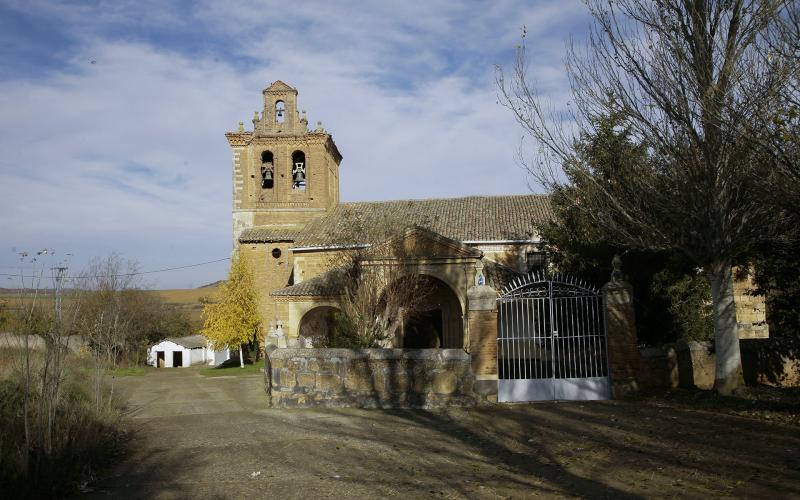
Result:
[{"x": 623, "y": 353}]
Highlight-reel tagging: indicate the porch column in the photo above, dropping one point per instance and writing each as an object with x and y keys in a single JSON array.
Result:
[{"x": 623, "y": 353}]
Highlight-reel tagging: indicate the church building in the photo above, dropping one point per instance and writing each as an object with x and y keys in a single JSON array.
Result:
[{"x": 289, "y": 223}]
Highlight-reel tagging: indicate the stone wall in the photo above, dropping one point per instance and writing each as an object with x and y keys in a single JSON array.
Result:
[
  {"x": 372, "y": 378},
  {"x": 773, "y": 362},
  {"x": 513, "y": 255},
  {"x": 751, "y": 310},
  {"x": 311, "y": 264},
  {"x": 269, "y": 274}
]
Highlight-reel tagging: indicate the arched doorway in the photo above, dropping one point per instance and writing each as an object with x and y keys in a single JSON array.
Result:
[
  {"x": 317, "y": 325},
  {"x": 436, "y": 321}
]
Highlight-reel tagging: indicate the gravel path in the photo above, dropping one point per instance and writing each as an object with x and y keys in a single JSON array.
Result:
[{"x": 198, "y": 437}]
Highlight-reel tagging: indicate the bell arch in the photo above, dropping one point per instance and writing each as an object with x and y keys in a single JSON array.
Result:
[
  {"x": 280, "y": 111},
  {"x": 299, "y": 170},
  {"x": 267, "y": 170}
]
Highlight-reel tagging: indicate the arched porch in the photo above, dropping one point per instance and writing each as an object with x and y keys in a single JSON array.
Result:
[
  {"x": 436, "y": 321},
  {"x": 318, "y": 325}
]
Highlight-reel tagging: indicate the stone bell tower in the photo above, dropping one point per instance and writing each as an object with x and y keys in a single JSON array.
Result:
[{"x": 284, "y": 174}]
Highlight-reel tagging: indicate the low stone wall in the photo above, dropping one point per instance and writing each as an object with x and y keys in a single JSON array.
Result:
[
  {"x": 372, "y": 378},
  {"x": 773, "y": 362},
  {"x": 12, "y": 341}
]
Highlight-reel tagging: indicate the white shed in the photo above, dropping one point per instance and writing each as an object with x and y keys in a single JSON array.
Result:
[{"x": 185, "y": 351}]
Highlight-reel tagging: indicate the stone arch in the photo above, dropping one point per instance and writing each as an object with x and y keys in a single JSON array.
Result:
[
  {"x": 437, "y": 322},
  {"x": 317, "y": 324},
  {"x": 450, "y": 274}
]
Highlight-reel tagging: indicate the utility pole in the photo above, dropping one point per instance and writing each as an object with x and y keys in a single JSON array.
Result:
[{"x": 58, "y": 276}]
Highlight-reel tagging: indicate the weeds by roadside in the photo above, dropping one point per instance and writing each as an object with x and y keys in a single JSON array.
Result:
[
  {"x": 80, "y": 438},
  {"x": 58, "y": 422}
]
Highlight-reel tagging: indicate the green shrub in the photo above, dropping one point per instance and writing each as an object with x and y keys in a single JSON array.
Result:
[{"x": 689, "y": 299}]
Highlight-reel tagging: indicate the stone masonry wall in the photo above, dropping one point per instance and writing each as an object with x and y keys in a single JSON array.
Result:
[
  {"x": 311, "y": 264},
  {"x": 773, "y": 362},
  {"x": 372, "y": 378},
  {"x": 483, "y": 342},
  {"x": 751, "y": 310},
  {"x": 269, "y": 273}
]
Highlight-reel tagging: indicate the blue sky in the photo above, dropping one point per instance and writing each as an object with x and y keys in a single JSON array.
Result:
[{"x": 114, "y": 112}]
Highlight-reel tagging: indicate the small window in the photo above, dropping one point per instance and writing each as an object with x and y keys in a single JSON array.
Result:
[
  {"x": 280, "y": 111},
  {"x": 267, "y": 170},
  {"x": 276, "y": 253},
  {"x": 299, "y": 170},
  {"x": 536, "y": 261}
]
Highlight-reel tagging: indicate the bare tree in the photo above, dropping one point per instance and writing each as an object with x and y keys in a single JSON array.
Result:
[
  {"x": 688, "y": 78},
  {"x": 375, "y": 270},
  {"x": 781, "y": 125},
  {"x": 106, "y": 320},
  {"x": 40, "y": 335}
]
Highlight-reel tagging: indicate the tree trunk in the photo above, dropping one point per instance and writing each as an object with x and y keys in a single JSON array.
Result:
[
  {"x": 726, "y": 335},
  {"x": 241, "y": 356}
]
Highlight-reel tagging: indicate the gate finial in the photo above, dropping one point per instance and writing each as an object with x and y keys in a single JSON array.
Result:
[{"x": 616, "y": 266}]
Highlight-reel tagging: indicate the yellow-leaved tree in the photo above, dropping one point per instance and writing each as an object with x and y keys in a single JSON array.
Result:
[{"x": 234, "y": 320}]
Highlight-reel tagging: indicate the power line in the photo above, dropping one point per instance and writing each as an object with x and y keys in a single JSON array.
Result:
[{"x": 129, "y": 274}]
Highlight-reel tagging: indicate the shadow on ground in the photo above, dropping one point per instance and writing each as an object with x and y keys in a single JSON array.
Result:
[{"x": 617, "y": 449}]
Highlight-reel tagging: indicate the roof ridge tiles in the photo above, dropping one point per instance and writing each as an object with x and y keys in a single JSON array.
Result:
[{"x": 454, "y": 198}]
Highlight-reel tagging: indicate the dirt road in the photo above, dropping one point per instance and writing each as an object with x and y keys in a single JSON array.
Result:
[{"x": 197, "y": 437}]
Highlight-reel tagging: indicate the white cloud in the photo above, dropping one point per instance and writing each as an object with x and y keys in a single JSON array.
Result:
[{"x": 128, "y": 153}]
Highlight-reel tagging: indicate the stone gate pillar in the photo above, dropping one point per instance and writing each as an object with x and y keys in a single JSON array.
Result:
[
  {"x": 482, "y": 328},
  {"x": 623, "y": 353}
]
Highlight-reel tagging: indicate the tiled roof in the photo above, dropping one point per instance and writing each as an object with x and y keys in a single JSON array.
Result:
[
  {"x": 329, "y": 284},
  {"x": 325, "y": 285},
  {"x": 268, "y": 234},
  {"x": 498, "y": 275},
  {"x": 473, "y": 218},
  {"x": 190, "y": 342}
]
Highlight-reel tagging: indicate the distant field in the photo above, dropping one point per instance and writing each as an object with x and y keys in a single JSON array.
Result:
[
  {"x": 185, "y": 296},
  {"x": 14, "y": 299},
  {"x": 186, "y": 299}
]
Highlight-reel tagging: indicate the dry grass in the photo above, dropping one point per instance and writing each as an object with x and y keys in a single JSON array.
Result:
[
  {"x": 83, "y": 438},
  {"x": 233, "y": 370},
  {"x": 187, "y": 300},
  {"x": 186, "y": 296}
]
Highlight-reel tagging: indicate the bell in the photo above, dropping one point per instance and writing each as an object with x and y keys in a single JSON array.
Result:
[
  {"x": 268, "y": 174},
  {"x": 299, "y": 172}
]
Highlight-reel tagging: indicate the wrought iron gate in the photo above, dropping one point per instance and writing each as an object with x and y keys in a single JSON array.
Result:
[{"x": 551, "y": 341}]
